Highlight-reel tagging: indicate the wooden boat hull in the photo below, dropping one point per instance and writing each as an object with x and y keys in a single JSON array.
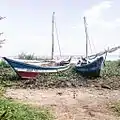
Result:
[
  {"x": 25, "y": 70},
  {"x": 91, "y": 69}
]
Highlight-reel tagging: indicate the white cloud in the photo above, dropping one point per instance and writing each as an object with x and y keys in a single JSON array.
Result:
[
  {"x": 35, "y": 37},
  {"x": 118, "y": 20},
  {"x": 104, "y": 32},
  {"x": 96, "y": 11},
  {"x": 95, "y": 16}
]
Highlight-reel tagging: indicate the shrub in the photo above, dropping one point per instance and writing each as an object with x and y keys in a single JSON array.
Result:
[{"x": 4, "y": 64}]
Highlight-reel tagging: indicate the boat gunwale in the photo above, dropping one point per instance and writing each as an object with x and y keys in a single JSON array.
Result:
[
  {"x": 42, "y": 67},
  {"x": 80, "y": 66}
]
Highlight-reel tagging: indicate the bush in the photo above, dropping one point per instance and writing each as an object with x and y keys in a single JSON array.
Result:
[
  {"x": 3, "y": 64},
  {"x": 26, "y": 56},
  {"x": 111, "y": 69}
]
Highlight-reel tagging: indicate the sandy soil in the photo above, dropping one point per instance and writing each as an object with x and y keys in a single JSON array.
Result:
[{"x": 70, "y": 104}]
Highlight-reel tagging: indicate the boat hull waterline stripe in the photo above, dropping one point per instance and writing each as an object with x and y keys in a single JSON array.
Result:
[{"x": 42, "y": 71}]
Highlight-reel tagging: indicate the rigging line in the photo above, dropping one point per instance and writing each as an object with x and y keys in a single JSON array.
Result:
[
  {"x": 91, "y": 41},
  {"x": 93, "y": 44},
  {"x": 57, "y": 38},
  {"x": 90, "y": 46}
]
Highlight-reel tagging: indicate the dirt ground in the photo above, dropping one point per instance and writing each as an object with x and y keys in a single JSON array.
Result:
[{"x": 70, "y": 104}]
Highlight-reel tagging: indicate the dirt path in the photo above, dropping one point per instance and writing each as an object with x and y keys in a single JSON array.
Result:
[{"x": 70, "y": 104}]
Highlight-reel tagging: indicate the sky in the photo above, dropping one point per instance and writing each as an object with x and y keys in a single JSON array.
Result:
[{"x": 28, "y": 24}]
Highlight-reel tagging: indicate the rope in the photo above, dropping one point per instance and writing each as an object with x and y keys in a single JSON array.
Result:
[
  {"x": 90, "y": 45},
  {"x": 57, "y": 38},
  {"x": 93, "y": 44},
  {"x": 105, "y": 58},
  {"x": 90, "y": 41},
  {"x": 104, "y": 52},
  {"x": 90, "y": 58}
]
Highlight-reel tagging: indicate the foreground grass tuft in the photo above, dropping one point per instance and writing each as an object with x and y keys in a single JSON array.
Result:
[
  {"x": 10, "y": 110},
  {"x": 116, "y": 107},
  {"x": 2, "y": 90}
]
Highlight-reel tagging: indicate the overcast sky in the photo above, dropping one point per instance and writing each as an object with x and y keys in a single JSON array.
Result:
[{"x": 28, "y": 25}]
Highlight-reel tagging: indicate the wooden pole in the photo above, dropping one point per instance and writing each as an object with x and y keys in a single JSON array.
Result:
[
  {"x": 86, "y": 37},
  {"x": 52, "y": 54}
]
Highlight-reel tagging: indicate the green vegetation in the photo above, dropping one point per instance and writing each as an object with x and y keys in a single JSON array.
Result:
[
  {"x": 115, "y": 107},
  {"x": 7, "y": 74},
  {"x": 3, "y": 64},
  {"x": 118, "y": 62},
  {"x": 2, "y": 90},
  {"x": 26, "y": 56},
  {"x": 11, "y": 110},
  {"x": 110, "y": 76},
  {"x": 111, "y": 68}
]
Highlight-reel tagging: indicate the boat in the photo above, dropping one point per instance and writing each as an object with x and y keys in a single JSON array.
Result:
[
  {"x": 84, "y": 66},
  {"x": 29, "y": 69},
  {"x": 91, "y": 65},
  {"x": 91, "y": 69}
]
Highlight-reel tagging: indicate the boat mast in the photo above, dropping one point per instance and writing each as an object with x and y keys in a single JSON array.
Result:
[
  {"x": 85, "y": 25},
  {"x": 52, "y": 54}
]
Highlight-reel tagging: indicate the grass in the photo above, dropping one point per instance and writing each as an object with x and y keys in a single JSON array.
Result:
[
  {"x": 110, "y": 75},
  {"x": 111, "y": 68},
  {"x": 10, "y": 110},
  {"x": 2, "y": 90},
  {"x": 115, "y": 107},
  {"x": 118, "y": 62},
  {"x": 3, "y": 64}
]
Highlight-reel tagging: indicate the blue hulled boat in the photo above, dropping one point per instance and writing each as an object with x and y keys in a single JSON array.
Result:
[
  {"x": 85, "y": 67},
  {"x": 26, "y": 70},
  {"x": 31, "y": 70},
  {"x": 90, "y": 69}
]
